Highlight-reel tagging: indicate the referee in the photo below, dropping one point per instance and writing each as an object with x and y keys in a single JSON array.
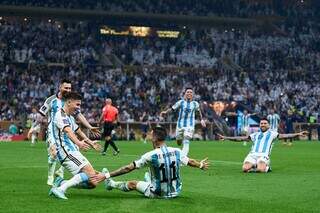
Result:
[{"x": 109, "y": 118}]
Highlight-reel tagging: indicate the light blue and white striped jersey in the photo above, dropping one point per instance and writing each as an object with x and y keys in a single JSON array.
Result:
[
  {"x": 274, "y": 120},
  {"x": 186, "y": 113},
  {"x": 245, "y": 120},
  {"x": 63, "y": 143},
  {"x": 263, "y": 141},
  {"x": 164, "y": 166},
  {"x": 49, "y": 110}
]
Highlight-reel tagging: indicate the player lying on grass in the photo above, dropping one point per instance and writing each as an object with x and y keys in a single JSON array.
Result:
[
  {"x": 163, "y": 179},
  {"x": 258, "y": 160},
  {"x": 67, "y": 146}
]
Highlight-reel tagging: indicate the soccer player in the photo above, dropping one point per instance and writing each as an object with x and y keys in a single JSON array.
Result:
[
  {"x": 163, "y": 179},
  {"x": 35, "y": 118},
  {"x": 258, "y": 159},
  {"x": 49, "y": 109},
  {"x": 274, "y": 120},
  {"x": 109, "y": 118},
  {"x": 186, "y": 120},
  {"x": 64, "y": 129}
]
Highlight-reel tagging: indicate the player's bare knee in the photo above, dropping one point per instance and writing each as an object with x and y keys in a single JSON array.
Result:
[{"x": 132, "y": 184}]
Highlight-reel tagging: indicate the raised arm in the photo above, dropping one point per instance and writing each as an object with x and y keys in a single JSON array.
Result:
[
  {"x": 236, "y": 138},
  {"x": 293, "y": 135}
]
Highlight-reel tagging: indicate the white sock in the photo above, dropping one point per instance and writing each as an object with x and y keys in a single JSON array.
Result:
[
  {"x": 121, "y": 185},
  {"x": 185, "y": 147},
  {"x": 51, "y": 168},
  {"x": 33, "y": 138},
  {"x": 267, "y": 169},
  {"x": 74, "y": 181}
]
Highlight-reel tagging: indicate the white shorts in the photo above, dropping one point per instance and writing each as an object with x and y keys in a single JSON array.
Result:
[
  {"x": 184, "y": 133},
  {"x": 255, "y": 158},
  {"x": 36, "y": 129},
  {"x": 74, "y": 162}
]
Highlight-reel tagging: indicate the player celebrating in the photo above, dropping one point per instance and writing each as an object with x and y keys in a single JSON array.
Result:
[
  {"x": 259, "y": 157},
  {"x": 274, "y": 120},
  {"x": 35, "y": 118},
  {"x": 67, "y": 145},
  {"x": 186, "y": 119},
  {"x": 163, "y": 179},
  {"x": 49, "y": 109}
]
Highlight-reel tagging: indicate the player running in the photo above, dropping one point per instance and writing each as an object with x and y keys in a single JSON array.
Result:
[
  {"x": 35, "y": 118},
  {"x": 186, "y": 120},
  {"x": 163, "y": 179},
  {"x": 49, "y": 109},
  {"x": 64, "y": 130},
  {"x": 258, "y": 160}
]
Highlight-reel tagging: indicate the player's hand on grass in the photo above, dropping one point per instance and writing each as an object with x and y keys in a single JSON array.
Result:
[
  {"x": 95, "y": 131},
  {"x": 204, "y": 164},
  {"x": 203, "y": 123}
]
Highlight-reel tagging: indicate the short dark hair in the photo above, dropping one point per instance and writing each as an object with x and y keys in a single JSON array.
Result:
[
  {"x": 65, "y": 81},
  {"x": 160, "y": 133},
  {"x": 72, "y": 96},
  {"x": 185, "y": 90},
  {"x": 264, "y": 119}
]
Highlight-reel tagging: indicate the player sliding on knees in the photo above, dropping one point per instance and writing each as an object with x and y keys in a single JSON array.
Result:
[
  {"x": 186, "y": 120},
  {"x": 67, "y": 146},
  {"x": 163, "y": 179},
  {"x": 258, "y": 160}
]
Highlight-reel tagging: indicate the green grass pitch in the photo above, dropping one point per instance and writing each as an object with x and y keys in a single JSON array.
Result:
[{"x": 292, "y": 186}]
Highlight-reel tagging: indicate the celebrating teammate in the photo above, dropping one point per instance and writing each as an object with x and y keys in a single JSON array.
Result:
[
  {"x": 274, "y": 120},
  {"x": 64, "y": 129},
  {"x": 35, "y": 118},
  {"x": 259, "y": 157},
  {"x": 163, "y": 179},
  {"x": 186, "y": 120},
  {"x": 49, "y": 109}
]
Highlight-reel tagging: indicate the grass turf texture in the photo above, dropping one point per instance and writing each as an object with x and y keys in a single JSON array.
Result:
[{"x": 292, "y": 186}]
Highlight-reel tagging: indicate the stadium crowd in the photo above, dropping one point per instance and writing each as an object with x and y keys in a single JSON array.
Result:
[
  {"x": 226, "y": 8},
  {"x": 266, "y": 70}
]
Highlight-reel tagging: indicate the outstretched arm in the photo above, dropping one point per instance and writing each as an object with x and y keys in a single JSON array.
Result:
[
  {"x": 203, "y": 164},
  {"x": 123, "y": 170},
  {"x": 236, "y": 138},
  {"x": 165, "y": 112},
  {"x": 94, "y": 130},
  {"x": 293, "y": 135}
]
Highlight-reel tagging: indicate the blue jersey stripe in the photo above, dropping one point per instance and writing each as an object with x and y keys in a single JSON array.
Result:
[
  {"x": 259, "y": 141},
  {"x": 155, "y": 165},
  {"x": 187, "y": 111},
  {"x": 169, "y": 173},
  {"x": 167, "y": 169},
  {"x": 192, "y": 114},
  {"x": 180, "y": 114},
  {"x": 266, "y": 142},
  {"x": 178, "y": 184}
]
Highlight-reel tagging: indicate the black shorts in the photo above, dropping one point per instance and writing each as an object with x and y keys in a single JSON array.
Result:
[{"x": 107, "y": 129}]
